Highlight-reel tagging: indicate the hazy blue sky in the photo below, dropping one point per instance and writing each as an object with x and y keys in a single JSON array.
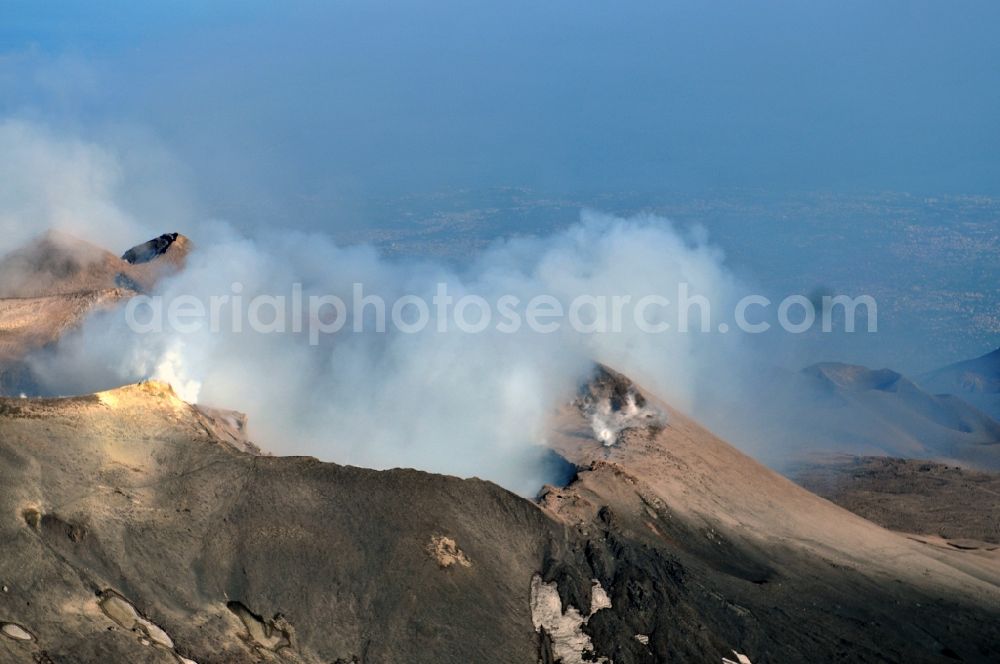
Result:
[{"x": 301, "y": 106}]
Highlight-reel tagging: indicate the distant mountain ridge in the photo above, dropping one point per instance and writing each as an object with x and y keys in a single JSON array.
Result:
[
  {"x": 856, "y": 377},
  {"x": 833, "y": 407},
  {"x": 884, "y": 411},
  {"x": 976, "y": 380}
]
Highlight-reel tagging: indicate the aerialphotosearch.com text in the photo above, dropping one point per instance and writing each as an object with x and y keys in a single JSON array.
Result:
[{"x": 319, "y": 315}]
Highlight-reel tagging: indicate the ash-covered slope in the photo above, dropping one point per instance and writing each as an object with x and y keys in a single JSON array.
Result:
[
  {"x": 132, "y": 532},
  {"x": 50, "y": 285},
  {"x": 128, "y": 494}
]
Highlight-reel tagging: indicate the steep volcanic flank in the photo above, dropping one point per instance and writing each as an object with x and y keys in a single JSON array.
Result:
[
  {"x": 50, "y": 285},
  {"x": 135, "y": 532}
]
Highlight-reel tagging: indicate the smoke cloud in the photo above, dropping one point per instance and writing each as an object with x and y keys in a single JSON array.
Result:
[
  {"x": 115, "y": 193},
  {"x": 452, "y": 402},
  {"x": 443, "y": 398},
  {"x": 52, "y": 182}
]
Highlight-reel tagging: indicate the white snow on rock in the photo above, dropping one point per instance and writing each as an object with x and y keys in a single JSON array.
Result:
[
  {"x": 598, "y": 597},
  {"x": 565, "y": 629},
  {"x": 740, "y": 659}
]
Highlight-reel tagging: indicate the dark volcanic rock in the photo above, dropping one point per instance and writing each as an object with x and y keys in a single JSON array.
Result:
[{"x": 147, "y": 251}]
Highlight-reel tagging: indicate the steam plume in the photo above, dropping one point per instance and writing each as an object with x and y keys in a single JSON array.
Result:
[{"x": 454, "y": 402}]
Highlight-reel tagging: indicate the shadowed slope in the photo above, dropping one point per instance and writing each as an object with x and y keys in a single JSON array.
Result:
[
  {"x": 134, "y": 530},
  {"x": 130, "y": 491}
]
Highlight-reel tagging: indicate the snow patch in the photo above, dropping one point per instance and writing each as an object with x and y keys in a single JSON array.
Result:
[
  {"x": 598, "y": 597},
  {"x": 565, "y": 629}
]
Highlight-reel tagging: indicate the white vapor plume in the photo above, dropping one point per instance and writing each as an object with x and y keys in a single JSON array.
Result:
[
  {"x": 453, "y": 402},
  {"x": 115, "y": 193},
  {"x": 51, "y": 182}
]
